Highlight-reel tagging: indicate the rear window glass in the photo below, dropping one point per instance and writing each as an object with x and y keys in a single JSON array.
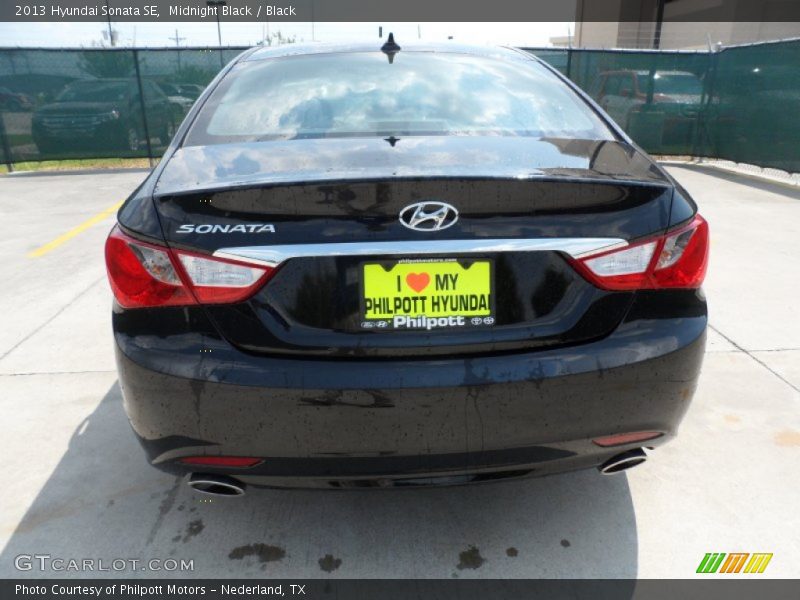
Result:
[
  {"x": 677, "y": 83},
  {"x": 421, "y": 93},
  {"x": 94, "y": 91}
]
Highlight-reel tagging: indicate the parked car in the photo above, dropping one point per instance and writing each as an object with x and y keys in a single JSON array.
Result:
[
  {"x": 622, "y": 93},
  {"x": 180, "y": 101},
  {"x": 15, "y": 101},
  {"x": 662, "y": 119},
  {"x": 370, "y": 266},
  {"x": 190, "y": 90},
  {"x": 102, "y": 114}
]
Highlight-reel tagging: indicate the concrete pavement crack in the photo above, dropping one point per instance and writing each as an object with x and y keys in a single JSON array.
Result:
[
  {"x": 34, "y": 373},
  {"x": 51, "y": 319},
  {"x": 755, "y": 358}
]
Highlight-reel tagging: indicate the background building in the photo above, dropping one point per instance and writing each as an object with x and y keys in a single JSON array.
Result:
[{"x": 728, "y": 23}]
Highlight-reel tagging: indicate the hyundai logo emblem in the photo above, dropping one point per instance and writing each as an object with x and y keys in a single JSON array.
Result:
[{"x": 428, "y": 216}]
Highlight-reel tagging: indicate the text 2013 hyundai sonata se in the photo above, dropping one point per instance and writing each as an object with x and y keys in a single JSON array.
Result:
[{"x": 362, "y": 266}]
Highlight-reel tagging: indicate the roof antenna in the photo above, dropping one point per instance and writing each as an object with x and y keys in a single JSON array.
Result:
[{"x": 390, "y": 48}]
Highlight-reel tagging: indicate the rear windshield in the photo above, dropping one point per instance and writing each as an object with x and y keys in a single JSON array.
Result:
[
  {"x": 94, "y": 91},
  {"x": 677, "y": 84},
  {"x": 420, "y": 93}
]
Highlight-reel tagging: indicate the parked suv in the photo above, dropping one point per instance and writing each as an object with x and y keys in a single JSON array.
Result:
[
  {"x": 102, "y": 113},
  {"x": 13, "y": 101}
]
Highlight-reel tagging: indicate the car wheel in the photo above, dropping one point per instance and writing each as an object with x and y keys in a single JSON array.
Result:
[
  {"x": 48, "y": 147},
  {"x": 168, "y": 133},
  {"x": 627, "y": 125},
  {"x": 132, "y": 141}
]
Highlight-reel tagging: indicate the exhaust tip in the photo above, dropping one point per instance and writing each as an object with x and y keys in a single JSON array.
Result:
[
  {"x": 623, "y": 462},
  {"x": 216, "y": 485}
]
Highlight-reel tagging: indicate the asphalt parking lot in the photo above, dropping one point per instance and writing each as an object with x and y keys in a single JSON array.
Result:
[{"x": 76, "y": 484}]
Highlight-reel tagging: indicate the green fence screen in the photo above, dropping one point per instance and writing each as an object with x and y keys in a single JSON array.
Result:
[
  {"x": 753, "y": 112},
  {"x": 655, "y": 96},
  {"x": 740, "y": 104},
  {"x": 98, "y": 103}
]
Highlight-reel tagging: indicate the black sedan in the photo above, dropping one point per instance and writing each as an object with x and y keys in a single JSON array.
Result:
[{"x": 367, "y": 266}]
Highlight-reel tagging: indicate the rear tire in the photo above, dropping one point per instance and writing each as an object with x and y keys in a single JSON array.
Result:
[
  {"x": 169, "y": 132},
  {"x": 132, "y": 140},
  {"x": 14, "y": 105},
  {"x": 47, "y": 147}
]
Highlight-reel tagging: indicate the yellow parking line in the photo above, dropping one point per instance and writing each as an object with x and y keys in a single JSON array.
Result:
[{"x": 42, "y": 250}]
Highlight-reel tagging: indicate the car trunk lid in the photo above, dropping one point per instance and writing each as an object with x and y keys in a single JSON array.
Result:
[{"x": 326, "y": 212}]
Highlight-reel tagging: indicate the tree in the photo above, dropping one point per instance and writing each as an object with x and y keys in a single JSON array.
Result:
[
  {"x": 277, "y": 38},
  {"x": 107, "y": 63}
]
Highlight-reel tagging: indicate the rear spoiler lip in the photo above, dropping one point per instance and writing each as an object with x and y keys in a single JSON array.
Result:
[
  {"x": 305, "y": 179},
  {"x": 272, "y": 256}
]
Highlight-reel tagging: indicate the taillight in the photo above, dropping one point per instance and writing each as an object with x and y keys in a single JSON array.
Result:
[
  {"x": 146, "y": 275},
  {"x": 143, "y": 274},
  {"x": 676, "y": 260},
  {"x": 216, "y": 281}
]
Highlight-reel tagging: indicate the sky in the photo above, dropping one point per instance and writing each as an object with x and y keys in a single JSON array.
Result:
[{"x": 247, "y": 34}]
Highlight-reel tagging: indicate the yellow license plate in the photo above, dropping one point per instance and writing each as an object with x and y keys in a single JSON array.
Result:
[{"x": 427, "y": 294}]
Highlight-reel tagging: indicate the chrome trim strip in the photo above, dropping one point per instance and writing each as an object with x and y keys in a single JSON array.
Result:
[{"x": 272, "y": 256}]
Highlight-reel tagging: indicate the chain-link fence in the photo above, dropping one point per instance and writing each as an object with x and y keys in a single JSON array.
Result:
[
  {"x": 655, "y": 96},
  {"x": 740, "y": 104},
  {"x": 753, "y": 108},
  {"x": 98, "y": 103}
]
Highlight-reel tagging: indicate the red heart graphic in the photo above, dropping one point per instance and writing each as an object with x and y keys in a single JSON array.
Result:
[{"x": 418, "y": 281}]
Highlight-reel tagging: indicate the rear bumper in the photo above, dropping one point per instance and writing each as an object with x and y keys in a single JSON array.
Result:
[{"x": 322, "y": 422}]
